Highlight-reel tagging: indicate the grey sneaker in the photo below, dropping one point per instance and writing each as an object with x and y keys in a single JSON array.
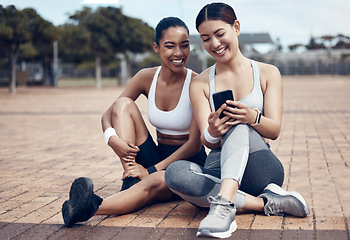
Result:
[
  {"x": 280, "y": 202},
  {"x": 220, "y": 221}
]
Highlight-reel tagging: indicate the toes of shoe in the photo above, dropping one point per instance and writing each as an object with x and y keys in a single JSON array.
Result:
[
  {"x": 80, "y": 192},
  {"x": 67, "y": 213}
]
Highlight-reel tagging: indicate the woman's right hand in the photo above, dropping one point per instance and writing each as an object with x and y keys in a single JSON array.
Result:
[
  {"x": 218, "y": 126},
  {"x": 125, "y": 151}
]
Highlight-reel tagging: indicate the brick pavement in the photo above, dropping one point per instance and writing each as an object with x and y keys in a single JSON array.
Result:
[{"x": 48, "y": 137}]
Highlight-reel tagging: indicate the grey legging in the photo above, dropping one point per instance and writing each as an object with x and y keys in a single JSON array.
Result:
[{"x": 195, "y": 183}]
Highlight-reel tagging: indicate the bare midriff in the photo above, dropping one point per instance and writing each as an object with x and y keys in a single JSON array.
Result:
[{"x": 175, "y": 140}]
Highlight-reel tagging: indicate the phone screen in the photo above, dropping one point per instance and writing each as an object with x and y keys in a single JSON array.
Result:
[{"x": 220, "y": 98}]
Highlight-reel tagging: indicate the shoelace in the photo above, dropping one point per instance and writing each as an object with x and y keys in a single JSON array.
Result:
[
  {"x": 274, "y": 206},
  {"x": 219, "y": 208}
]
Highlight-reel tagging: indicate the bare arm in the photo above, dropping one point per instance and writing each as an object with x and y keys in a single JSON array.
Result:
[
  {"x": 270, "y": 124},
  {"x": 138, "y": 85},
  {"x": 199, "y": 93},
  {"x": 271, "y": 121}
]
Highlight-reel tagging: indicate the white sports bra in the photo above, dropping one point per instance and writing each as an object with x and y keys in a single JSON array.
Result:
[{"x": 176, "y": 121}]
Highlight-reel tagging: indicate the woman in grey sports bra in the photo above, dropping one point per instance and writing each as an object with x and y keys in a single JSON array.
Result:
[{"x": 240, "y": 171}]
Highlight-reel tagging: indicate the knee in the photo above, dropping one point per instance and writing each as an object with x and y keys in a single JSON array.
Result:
[
  {"x": 176, "y": 173},
  {"x": 153, "y": 182},
  {"x": 122, "y": 105}
]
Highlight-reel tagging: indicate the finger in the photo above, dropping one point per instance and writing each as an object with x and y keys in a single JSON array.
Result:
[
  {"x": 233, "y": 123},
  {"x": 131, "y": 164},
  {"x": 125, "y": 175},
  {"x": 131, "y": 154},
  {"x": 235, "y": 104},
  {"x": 128, "y": 159},
  {"x": 224, "y": 119},
  {"x": 211, "y": 115},
  {"x": 134, "y": 147},
  {"x": 221, "y": 108}
]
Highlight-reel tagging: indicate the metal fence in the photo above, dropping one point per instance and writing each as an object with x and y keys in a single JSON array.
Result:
[{"x": 34, "y": 71}]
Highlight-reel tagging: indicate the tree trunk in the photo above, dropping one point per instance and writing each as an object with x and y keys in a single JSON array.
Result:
[
  {"x": 98, "y": 83},
  {"x": 47, "y": 75},
  {"x": 13, "y": 60},
  {"x": 125, "y": 69}
]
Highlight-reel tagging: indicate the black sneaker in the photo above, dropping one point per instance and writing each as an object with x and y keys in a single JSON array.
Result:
[
  {"x": 128, "y": 182},
  {"x": 82, "y": 203}
]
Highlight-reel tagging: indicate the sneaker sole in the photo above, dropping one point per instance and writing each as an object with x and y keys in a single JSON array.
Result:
[
  {"x": 81, "y": 190},
  {"x": 278, "y": 190},
  {"x": 207, "y": 233}
]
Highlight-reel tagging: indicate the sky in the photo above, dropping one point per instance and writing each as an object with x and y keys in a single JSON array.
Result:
[{"x": 290, "y": 21}]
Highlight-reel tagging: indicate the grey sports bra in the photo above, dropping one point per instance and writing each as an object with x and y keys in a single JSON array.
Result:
[{"x": 255, "y": 99}]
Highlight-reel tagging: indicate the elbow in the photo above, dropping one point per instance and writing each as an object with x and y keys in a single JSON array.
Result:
[
  {"x": 209, "y": 145},
  {"x": 103, "y": 118},
  {"x": 198, "y": 146},
  {"x": 275, "y": 135}
]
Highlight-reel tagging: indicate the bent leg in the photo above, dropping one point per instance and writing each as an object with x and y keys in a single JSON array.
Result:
[
  {"x": 152, "y": 188},
  {"x": 263, "y": 166},
  {"x": 195, "y": 184},
  {"x": 126, "y": 118}
]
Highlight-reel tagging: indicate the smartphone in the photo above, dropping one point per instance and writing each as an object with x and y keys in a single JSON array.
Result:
[{"x": 220, "y": 98}]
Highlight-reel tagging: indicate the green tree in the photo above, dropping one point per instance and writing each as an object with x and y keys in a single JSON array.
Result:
[
  {"x": 44, "y": 33},
  {"x": 102, "y": 35},
  {"x": 23, "y": 28},
  {"x": 13, "y": 32},
  {"x": 139, "y": 38}
]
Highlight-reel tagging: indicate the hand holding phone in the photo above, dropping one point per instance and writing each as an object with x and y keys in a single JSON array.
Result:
[{"x": 220, "y": 98}]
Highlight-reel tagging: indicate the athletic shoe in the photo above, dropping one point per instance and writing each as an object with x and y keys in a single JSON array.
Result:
[
  {"x": 82, "y": 203},
  {"x": 220, "y": 221},
  {"x": 128, "y": 182},
  {"x": 280, "y": 202}
]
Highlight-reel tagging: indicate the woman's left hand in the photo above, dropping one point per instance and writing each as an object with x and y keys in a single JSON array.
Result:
[
  {"x": 239, "y": 113},
  {"x": 135, "y": 170}
]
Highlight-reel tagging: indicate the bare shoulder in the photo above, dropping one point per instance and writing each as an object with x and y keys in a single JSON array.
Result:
[
  {"x": 146, "y": 73},
  {"x": 268, "y": 69},
  {"x": 202, "y": 78},
  {"x": 140, "y": 83},
  {"x": 269, "y": 74},
  {"x": 194, "y": 74},
  {"x": 144, "y": 77},
  {"x": 200, "y": 83}
]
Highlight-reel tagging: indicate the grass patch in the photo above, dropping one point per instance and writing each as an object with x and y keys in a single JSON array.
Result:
[{"x": 85, "y": 82}]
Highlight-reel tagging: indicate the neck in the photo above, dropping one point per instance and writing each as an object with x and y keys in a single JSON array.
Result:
[
  {"x": 169, "y": 77},
  {"x": 233, "y": 65}
]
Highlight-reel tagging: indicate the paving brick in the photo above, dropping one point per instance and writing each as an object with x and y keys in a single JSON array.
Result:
[
  {"x": 297, "y": 235},
  {"x": 42, "y": 231},
  {"x": 50, "y": 136},
  {"x": 264, "y": 222},
  {"x": 330, "y": 223}
]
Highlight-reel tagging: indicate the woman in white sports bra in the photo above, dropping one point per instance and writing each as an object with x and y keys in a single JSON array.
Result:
[
  {"x": 240, "y": 172},
  {"x": 144, "y": 161}
]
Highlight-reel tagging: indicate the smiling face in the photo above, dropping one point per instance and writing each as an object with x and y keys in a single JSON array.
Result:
[
  {"x": 220, "y": 39},
  {"x": 174, "y": 48}
]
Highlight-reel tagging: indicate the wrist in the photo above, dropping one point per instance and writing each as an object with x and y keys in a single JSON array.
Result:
[
  {"x": 209, "y": 138},
  {"x": 108, "y": 133},
  {"x": 152, "y": 169},
  {"x": 257, "y": 118}
]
